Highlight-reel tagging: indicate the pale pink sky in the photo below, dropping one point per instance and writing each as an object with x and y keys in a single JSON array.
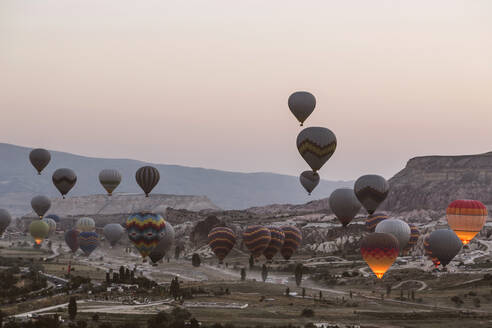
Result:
[{"x": 205, "y": 83}]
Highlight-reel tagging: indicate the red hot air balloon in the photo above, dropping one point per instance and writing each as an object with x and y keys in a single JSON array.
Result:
[
  {"x": 466, "y": 218},
  {"x": 380, "y": 251}
]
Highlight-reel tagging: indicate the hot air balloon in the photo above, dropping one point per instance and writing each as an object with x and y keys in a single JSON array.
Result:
[
  {"x": 428, "y": 251},
  {"x": 39, "y": 230},
  {"x": 414, "y": 237},
  {"x": 64, "y": 180},
  {"x": 466, "y": 218},
  {"x": 39, "y": 158},
  {"x": 147, "y": 178},
  {"x": 256, "y": 238},
  {"x": 72, "y": 239},
  {"x": 344, "y": 205},
  {"x": 40, "y": 205},
  {"x": 316, "y": 145},
  {"x": 144, "y": 231},
  {"x": 373, "y": 220},
  {"x": 293, "y": 239},
  {"x": 5, "y": 220},
  {"x": 221, "y": 240},
  {"x": 86, "y": 224},
  {"x": 52, "y": 224},
  {"x": 113, "y": 232},
  {"x": 396, "y": 227},
  {"x": 89, "y": 240},
  {"x": 55, "y": 217},
  {"x": 309, "y": 180},
  {"x": 379, "y": 250},
  {"x": 276, "y": 243},
  {"x": 371, "y": 190},
  {"x": 445, "y": 245},
  {"x": 166, "y": 241},
  {"x": 301, "y": 104},
  {"x": 109, "y": 179}
]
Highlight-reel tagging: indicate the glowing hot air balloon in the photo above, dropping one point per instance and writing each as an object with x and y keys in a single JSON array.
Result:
[
  {"x": 256, "y": 238},
  {"x": 39, "y": 230},
  {"x": 380, "y": 251},
  {"x": 466, "y": 218},
  {"x": 221, "y": 240}
]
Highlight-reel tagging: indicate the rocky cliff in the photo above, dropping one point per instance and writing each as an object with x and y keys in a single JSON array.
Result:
[{"x": 432, "y": 182}]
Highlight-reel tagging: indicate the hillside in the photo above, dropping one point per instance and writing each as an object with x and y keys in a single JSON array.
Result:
[
  {"x": 432, "y": 182},
  {"x": 228, "y": 190}
]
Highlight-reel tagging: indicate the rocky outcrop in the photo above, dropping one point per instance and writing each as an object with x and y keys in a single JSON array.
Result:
[{"x": 432, "y": 182}]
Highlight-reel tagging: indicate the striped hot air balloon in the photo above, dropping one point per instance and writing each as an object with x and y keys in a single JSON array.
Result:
[
  {"x": 466, "y": 218},
  {"x": 380, "y": 251},
  {"x": 221, "y": 240},
  {"x": 88, "y": 241},
  {"x": 428, "y": 252},
  {"x": 86, "y": 224},
  {"x": 371, "y": 190},
  {"x": 316, "y": 145},
  {"x": 256, "y": 238},
  {"x": 144, "y": 230},
  {"x": 293, "y": 239},
  {"x": 147, "y": 178},
  {"x": 414, "y": 237},
  {"x": 276, "y": 243},
  {"x": 373, "y": 220}
]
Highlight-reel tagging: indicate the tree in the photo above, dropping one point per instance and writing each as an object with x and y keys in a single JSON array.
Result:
[
  {"x": 95, "y": 317},
  {"x": 264, "y": 272},
  {"x": 127, "y": 274},
  {"x": 298, "y": 273},
  {"x": 122, "y": 273},
  {"x": 108, "y": 279},
  {"x": 388, "y": 290},
  {"x": 243, "y": 274},
  {"x": 72, "y": 308},
  {"x": 413, "y": 295},
  {"x": 320, "y": 295},
  {"x": 287, "y": 291},
  {"x": 303, "y": 292},
  {"x": 195, "y": 260},
  {"x": 194, "y": 323},
  {"x": 251, "y": 261},
  {"x": 174, "y": 289},
  {"x": 177, "y": 251}
]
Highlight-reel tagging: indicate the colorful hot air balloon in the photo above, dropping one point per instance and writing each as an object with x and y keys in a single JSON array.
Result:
[
  {"x": 113, "y": 232},
  {"x": 39, "y": 158},
  {"x": 147, "y": 178},
  {"x": 379, "y": 250},
  {"x": 85, "y": 224},
  {"x": 256, "y": 239},
  {"x": 55, "y": 217},
  {"x": 166, "y": 241},
  {"x": 371, "y": 190},
  {"x": 414, "y": 237},
  {"x": 301, "y": 104},
  {"x": 396, "y": 227},
  {"x": 52, "y": 224},
  {"x": 5, "y": 220},
  {"x": 316, "y": 145},
  {"x": 309, "y": 180},
  {"x": 40, "y": 205},
  {"x": 344, "y": 205},
  {"x": 88, "y": 241},
  {"x": 144, "y": 231},
  {"x": 373, "y": 220},
  {"x": 466, "y": 218},
  {"x": 276, "y": 243},
  {"x": 428, "y": 252},
  {"x": 221, "y": 240},
  {"x": 64, "y": 180},
  {"x": 109, "y": 179},
  {"x": 445, "y": 245},
  {"x": 293, "y": 239},
  {"x": 39, "y": 230},
  {"x": 72, "y": 239}
]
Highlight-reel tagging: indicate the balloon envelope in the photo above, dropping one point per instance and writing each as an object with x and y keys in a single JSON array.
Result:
[
  {"x": 373, "y": 220},
  {"x": 316, "y": 145},
  {"x": 64, "y": 180},
  {"x": 88, "y": 241},
  {"x": 344, "y": 205},
  {"x": 147, "y": 178},
  {"x": 40, "y": 205},
  {"x": 166, "y": 241},
  {"x": 256, "y": 238},
  {"x": 445, "y": 245},
  {"x": 52, "y": 224},
  {"x": 72, "y": 239},
  {"x": 380, "y": 251},
  {"x": 466, "y": 218},
  {"x": 39, "y": 230},
  {"x": 55, "y": 217},
  {"x": 221, "y": 240},
  {"x": 309, "y": 180},
  {"x": 86, "y": 224},
  {"x": 276, "y": 243},
  {"x": 144, "y": 230},
  {"x": 39, "y": 159},
  {"x": 5, "y": 220},
  {"x": 414, "y": 237},
  {"x": 398, "y": 228},
  {"x": 301, "y": 104},
  {"x": 109, "y": 179},
  {"x": 371, "y": 190},
  {"x": 293, "y": 239},
  {"x": 113, "y": 232},
  {"x": 428, "y": 251}
]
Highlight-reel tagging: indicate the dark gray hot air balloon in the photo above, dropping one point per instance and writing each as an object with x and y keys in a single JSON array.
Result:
[
  {"x": 40, "y": 205},
  {"x": 301, "y": 104},
  {"x": 396, "y": 227},
  {"x": 5, "y": 220},
  {"x": 64, "y": 180},
  {"x": 147, "y": 178},
  {"x": 39, "y": 158},
  {"x": 344, "y": 205},
  {"x": 371, "y": 190},
  {"x": 316, "y": 145},
  {"x": 444, "y": 244},
  {"x": 309, "y": 180},
  {"x": 113, "y": 232},
  {"x": 164, "y": 245},
  {"x": 109, "y": 179}
]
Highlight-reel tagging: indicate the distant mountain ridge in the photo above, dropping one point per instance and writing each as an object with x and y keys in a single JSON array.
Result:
[{"x": 228, "y": 190}]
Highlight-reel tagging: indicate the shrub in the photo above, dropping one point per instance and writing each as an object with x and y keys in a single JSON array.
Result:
[{"x": 307, "y": 312}]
